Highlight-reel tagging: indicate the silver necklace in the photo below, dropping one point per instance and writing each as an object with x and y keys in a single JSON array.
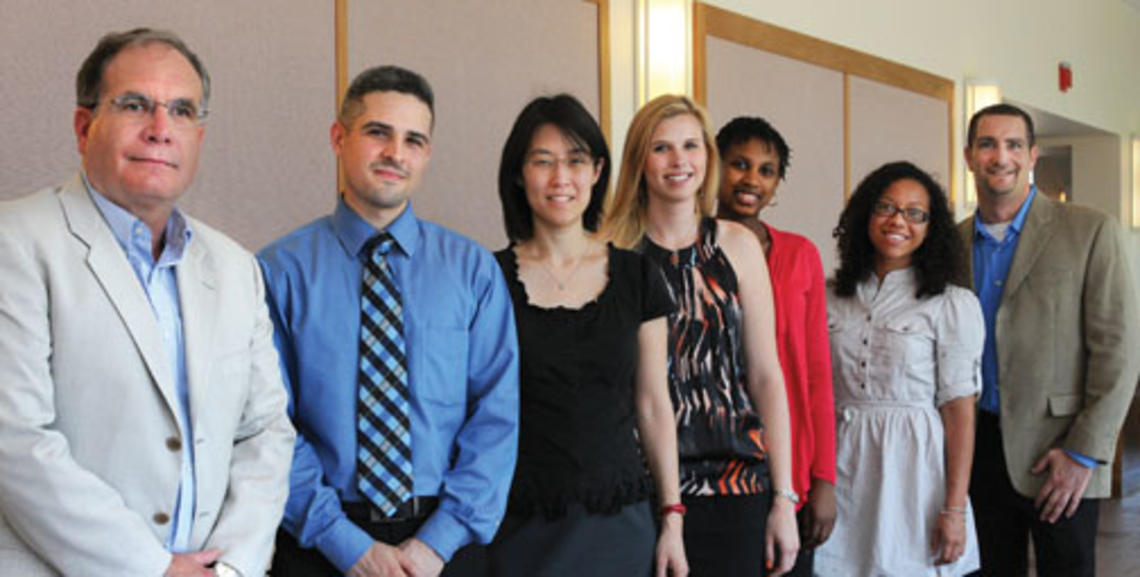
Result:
[{"x": 561, "y": 283}]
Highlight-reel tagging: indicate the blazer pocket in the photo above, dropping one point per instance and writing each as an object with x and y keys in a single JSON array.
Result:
[{"x": 1065, "y": 405}]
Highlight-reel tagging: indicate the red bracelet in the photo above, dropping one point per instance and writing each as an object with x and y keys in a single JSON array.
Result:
[{"x": 674, "y": 508}]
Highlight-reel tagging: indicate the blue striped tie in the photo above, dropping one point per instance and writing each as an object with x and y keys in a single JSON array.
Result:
[{"x": 384, "y": 439}]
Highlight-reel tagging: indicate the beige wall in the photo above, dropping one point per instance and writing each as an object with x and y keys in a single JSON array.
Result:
[{"x": 265, "y": 167}]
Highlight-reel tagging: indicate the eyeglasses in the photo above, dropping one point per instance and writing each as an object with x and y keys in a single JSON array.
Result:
[
  {"x": 183, "y": 113},
  {"x": 911, "y": 215},
  {"x": 574, "y": 162}
]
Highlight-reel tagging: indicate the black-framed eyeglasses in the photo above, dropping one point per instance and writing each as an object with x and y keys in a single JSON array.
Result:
[
  {"x": 182, "y": 111},
  {"x": 911, "y": 214}
]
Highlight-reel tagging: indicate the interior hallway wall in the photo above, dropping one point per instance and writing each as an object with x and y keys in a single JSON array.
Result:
[{"x": 1018, "y": 43}]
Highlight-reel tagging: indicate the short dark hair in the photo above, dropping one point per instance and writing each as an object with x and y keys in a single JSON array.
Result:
[
  {"x": 89, "y": 81},
  {"x": 387, "y": 78},
  {"x": 1001, "y": 109},
  {"x": 744, "y": 128},
  {"x": 937, "y": 262},
  {"x": 568, "y": 115}
]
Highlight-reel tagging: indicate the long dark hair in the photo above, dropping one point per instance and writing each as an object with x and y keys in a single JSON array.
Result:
[{"x": 938, "y": 262}]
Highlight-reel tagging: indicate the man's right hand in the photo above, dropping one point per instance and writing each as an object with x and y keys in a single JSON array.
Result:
[
  {"x": 192, "y": 564},
  {"x": 381, "y": 560}
]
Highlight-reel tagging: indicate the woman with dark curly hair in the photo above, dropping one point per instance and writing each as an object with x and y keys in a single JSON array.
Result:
[{"x": 906, "y": 349}]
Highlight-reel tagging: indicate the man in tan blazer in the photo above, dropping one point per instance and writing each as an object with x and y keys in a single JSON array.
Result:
[
  {"x": 1060, "y": 362},
  {"x": 143, "y": 429}
]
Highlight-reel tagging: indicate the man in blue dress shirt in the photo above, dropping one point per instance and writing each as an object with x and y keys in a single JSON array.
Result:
[
  {"x": 461, "y": 357},
  {"x": 1059, "y": 366}
]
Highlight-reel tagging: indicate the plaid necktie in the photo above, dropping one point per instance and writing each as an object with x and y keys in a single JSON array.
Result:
[{"x": 384, "y": 439}]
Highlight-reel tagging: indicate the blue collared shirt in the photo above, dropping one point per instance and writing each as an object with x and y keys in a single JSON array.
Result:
[
  {"x": 462, "y": 356},
  {"x": 992, "y": 259},
  {"x": 161, "y": 286}
]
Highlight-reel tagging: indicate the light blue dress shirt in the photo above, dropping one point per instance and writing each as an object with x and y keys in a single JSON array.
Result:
[
  {"x": 992, "y": 259},
  {"x": 462, "y": 356},
  {"x": 161, "y": 286}
]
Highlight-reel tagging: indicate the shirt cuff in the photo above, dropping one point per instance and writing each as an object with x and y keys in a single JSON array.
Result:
[
  {"x": 343, "y": 544},
  {"x": 444, "y": 533},
  {"x": 1086, "y": 462}
]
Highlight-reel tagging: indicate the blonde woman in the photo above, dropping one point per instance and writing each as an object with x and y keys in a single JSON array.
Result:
[{"x": 732, "y": 423}]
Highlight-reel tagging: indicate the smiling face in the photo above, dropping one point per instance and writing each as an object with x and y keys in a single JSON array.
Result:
[
  {"x": 1001, "y": 159},
  {"x": 750, "y": 176},
  {"x": 895, "y": 239},
  {"x": 384, "y": 151},
  {"x": 677, "y": 160},
  {"x": 142, "y": 163},
  {"x": 558, "y": 175}
]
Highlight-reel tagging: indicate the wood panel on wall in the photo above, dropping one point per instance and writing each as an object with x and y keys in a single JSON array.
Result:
[
  {"x": 797, "y": 99},
  {"x": 889, "y": 123},
  {"x": 485, "y": 61},
  {"x": 266, "y": 166},
  {"x": 885, "y": 111}
]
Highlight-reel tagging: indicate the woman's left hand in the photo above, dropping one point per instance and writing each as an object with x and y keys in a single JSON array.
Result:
[
  {"x": 670, "y": 556},
  {"x": 782, "y": 534},
  {"x": 949, "y": 537}
]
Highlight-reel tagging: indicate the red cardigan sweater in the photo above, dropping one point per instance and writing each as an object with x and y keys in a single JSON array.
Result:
[{"x": 805, "y": 356}]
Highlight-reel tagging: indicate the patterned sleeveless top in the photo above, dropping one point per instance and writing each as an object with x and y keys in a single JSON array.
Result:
[{"x": 718, "y": 429}]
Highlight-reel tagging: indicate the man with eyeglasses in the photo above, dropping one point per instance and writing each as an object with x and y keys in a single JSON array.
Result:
[
  {"x": 143, "y": 428},
  {"x": 1059, "y": 366}
]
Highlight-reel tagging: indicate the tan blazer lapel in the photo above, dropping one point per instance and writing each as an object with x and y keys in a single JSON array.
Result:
[
  {"x": 1034, "y": 238},
  {"x": 966, "y": 230},
  {"x": 107, "y": 262},
  {"x": 197, "y": 290}
]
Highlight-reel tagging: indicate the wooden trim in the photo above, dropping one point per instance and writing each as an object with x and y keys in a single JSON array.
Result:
[
  {"x": 604, "y": 66},
  {"x": 743, "y": 30},
  {"x": 951, "y": 184},
  {"x": 700, "y": 72},
  {"x": 846, "y": 136},
  {"x": 341, "y": 63}
]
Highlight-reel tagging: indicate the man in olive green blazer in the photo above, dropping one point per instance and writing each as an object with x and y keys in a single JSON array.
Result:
[{"x": 1060, "y": 365}]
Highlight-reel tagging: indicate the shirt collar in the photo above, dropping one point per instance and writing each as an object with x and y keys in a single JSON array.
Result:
[
  {"x": 1014, "y": 226},
  {"x": 353, "y": 231},
  {"x": 129, "y": 230}
]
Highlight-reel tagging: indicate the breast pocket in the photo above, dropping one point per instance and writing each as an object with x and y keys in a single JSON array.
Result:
[
  {"x": 901, "y": 347},
  {"x": 439, "y": 370}
]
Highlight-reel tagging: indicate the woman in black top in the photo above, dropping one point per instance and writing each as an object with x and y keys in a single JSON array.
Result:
[{"x": 591, "y": 322}]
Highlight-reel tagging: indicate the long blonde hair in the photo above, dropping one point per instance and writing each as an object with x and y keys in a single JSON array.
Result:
[{"x": 626, "y": 210}]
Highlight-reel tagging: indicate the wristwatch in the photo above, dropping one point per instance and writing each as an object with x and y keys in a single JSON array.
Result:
[
  {"x": 223, "y": 570},
  {"x": 789, "y": 495}
]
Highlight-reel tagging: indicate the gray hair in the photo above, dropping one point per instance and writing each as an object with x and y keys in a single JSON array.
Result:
[{"x": 89, "y": 81}]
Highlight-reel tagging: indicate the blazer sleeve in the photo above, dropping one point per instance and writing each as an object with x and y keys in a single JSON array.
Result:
[
  {"x": 262, "y": 453},
  {"x": 1111, "y": 337},
  {"x": 64, "y": 513}
]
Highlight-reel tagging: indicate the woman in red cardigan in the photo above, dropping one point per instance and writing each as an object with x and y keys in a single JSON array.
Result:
[{"x": 754, "y": 161}]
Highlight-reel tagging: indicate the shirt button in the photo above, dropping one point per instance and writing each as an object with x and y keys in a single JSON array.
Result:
[
  {"x": 868, "y": 317},
  {"x": 862, "y": 385},
  {"x": 161, "y": 518},
  {"x": 863, "y": 364},
  {"x": 174, "y": 444},
  {"x": 864, "y": 341}
]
